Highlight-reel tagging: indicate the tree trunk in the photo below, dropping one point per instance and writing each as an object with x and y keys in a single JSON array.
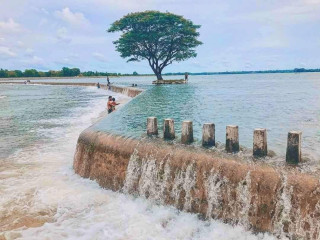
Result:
[
  {"x": 158, "y": 75},
  {"x": 156, "y": 69}
]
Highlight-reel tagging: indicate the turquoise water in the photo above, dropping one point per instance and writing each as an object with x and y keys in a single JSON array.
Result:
[{"x": 278, "y": 102}]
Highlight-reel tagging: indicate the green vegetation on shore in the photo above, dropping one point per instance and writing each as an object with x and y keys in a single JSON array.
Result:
[
  {"x": 296, "y": 70},
  {"x": 64, "y": 72},
  {"x": 75, "y": 72}
]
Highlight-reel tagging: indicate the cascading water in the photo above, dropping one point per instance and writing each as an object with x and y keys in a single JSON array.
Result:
[
  {"x": 153, "y": 180},
  {"x": 159, "y": 182},
  {"x": 208, "y": 191},
  {"x": 213, "y": 184}
]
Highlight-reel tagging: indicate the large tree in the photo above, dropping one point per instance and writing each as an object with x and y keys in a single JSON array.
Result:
[{"x": 160, "y": 38}]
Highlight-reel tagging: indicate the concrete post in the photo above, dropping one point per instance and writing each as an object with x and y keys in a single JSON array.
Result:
[
  {"x": 187, "y": 132},
  {"x": 168, "y": 129},
  {"x": 232, "y": 139},
  {"x": 294, "y": 147},
  {"x": 260, "y": 148},
  {"x": 152, "y": 126},
  {"x": 208, "y": 135}
]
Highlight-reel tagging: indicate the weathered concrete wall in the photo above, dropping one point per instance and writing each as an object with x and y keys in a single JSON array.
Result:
[
  {"x": 257, "y": 197},
  {"x": 129, "y": 91}
]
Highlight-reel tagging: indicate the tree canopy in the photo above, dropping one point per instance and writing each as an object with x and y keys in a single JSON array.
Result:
[{"x": 160, "y": 38}]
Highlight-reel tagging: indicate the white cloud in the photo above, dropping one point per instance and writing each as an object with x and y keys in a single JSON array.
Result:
[
  {"x": 74, "y": 55},
  {"x": 303, "y": 64},
  {"x": 62, "y": 35},
  {"x": 40, "y": 10},
  {"x": 6, "y": 52},
  {"x": 43, "y": 22},
  {"x": 29, "y": 52},
  {"x": 298, "y": 11},
  {"x": 270, "y": 37},
  {"x": 65, "y": 62},
  {"x": 35, "y": 60},
  {"x": 20, "y": 44},
  {"x": 248, "y": 65},
  {"x": 73, "y": 18},
  {"x": 10, "y": 26},
  {"x": 44, "y": 11},
  {"x": 126, "y": 4},
  {"x": 100, "y": 57}
]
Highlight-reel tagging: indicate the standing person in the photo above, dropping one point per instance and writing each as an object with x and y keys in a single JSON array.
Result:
[
  {"x": 114, "y": 104},
  {"x": 98, "y": 85},
  {"x": 109, "y": 104},
  {"x": 186, "y": 75},
  {"x": 108, "y": 84}
]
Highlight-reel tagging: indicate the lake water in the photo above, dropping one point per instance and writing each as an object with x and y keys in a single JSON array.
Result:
[
  {"x": 42, "y": 198},
  {"x": 278, "y": 102}
]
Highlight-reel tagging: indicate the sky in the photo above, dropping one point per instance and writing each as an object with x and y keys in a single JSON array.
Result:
[{"x": 236, "y": 34}]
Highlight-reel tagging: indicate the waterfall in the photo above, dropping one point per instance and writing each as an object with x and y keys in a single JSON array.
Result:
[
  {"x": 257, "y": 197},
  {"x": 152, "y": 179},
  {"x": 213, "y": 185}
]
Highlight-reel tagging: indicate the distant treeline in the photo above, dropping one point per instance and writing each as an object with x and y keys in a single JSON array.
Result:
[
  {"x": 296, "y": 70},
  {"x": 64, "y": 72},
  {"x": 75, "y": 72}
]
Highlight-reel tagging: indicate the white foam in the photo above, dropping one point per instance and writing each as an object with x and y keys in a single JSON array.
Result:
[{"x": 39, "y": 183}]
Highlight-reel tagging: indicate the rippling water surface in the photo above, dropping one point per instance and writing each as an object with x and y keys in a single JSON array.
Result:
[
  {"x": 278, "y": 102},
  {"x": 42, "y": 198}
]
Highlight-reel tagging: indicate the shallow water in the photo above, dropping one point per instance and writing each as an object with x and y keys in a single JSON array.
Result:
[
  {"x": 42, "y": 198},
  {"x": 277, "y": 102}
]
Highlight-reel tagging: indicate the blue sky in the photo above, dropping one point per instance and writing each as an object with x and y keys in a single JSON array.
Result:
[{"x": 237, "y": 35}]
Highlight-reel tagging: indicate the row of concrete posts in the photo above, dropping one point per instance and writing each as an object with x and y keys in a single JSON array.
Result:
[{"x": 260, "y": 147}]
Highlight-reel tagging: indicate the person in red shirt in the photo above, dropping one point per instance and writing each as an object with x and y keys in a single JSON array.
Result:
[
  {"x": 114, "y": 104},
  {"x": 110, "y": 104}
]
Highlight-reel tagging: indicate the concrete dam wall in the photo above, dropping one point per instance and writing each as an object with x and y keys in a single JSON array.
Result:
[
  {"x": 129, "y": 91},
  {"x": 258, "y": 197}
]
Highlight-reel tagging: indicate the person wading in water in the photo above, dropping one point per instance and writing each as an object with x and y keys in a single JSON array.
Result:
[
  {"x": 114, "y": 104},
  {"x": 110, "y": 104}
]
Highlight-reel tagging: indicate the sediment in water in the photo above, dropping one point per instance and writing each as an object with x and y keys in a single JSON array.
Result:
[{"x": 258, "y": 197}]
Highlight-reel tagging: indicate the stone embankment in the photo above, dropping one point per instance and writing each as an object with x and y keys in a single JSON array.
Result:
[
  {"x": 258, "y": 197},
  {"x": 175, "y": 81}
]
